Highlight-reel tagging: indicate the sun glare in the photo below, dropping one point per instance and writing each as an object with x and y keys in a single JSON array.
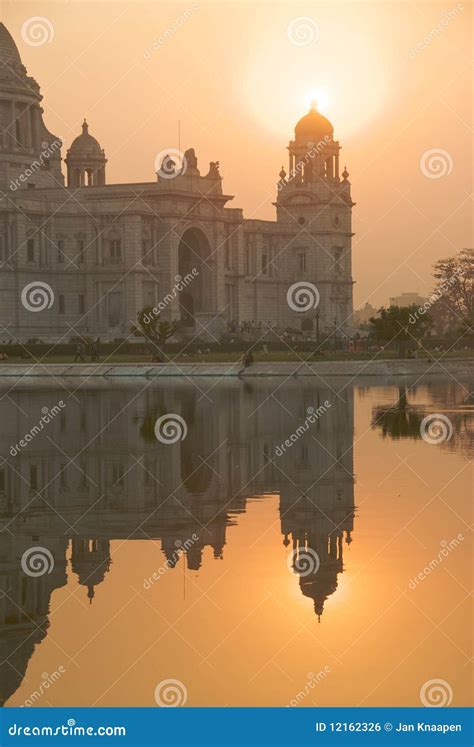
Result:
[
  {"x": 318, "y": 96},
  {"x": 284, "y": 79}
]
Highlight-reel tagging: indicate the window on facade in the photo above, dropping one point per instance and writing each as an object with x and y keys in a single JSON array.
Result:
[
  {"x": 265, "y": 263},
  {"x": 62, "y": 304},
  {"x": 2, "y": 481},
  {"x": 30, "y": 249},
  {"x": 60, "y": 246},
  {"x": 302, "y": 261},
  {"x": 115, "y": 251},
  {"x": 82, "y": 304},
  {"x": 33, "y": 477},
  {"x": 228, "y": 256},
  {"x": 147, "y": 253},
  {"x": 81, "y": 250},
  {"x": 247, "y": 262},
  {"x": 337, "y": 260},
  {"x": 3, "y": 254},
  {"x": 118, "y": 474}
]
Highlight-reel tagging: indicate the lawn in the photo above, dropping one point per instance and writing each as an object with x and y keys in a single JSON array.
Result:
[{"x": 226, "y": 357}]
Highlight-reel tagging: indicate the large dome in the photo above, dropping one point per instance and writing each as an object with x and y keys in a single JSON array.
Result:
[
  {"x": 313, "y": 126},
  {"x": 85, "y": 144},
  {"x": 9, "y": 53}
]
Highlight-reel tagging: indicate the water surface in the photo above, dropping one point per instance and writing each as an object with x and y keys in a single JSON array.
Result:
[{"x": 271, "y": 557}]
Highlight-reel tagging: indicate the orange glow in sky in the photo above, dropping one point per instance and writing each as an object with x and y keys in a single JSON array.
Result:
[{"x": 238, "y": 76}]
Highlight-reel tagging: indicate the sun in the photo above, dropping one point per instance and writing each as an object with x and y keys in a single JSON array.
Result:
[
  {"x": 318, "y": 96},
  {"x": 282, "y": 80}
]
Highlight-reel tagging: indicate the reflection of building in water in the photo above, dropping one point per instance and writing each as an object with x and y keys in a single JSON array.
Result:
[
  {"x": 24, "y": 603},
  {"x": 449, "y": 427},
  {"x": 318, "y": 532},
  {"x": 97, "y": 473}
]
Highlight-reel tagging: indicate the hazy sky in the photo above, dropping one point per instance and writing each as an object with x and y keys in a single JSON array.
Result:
[{"x": 238, "y": 79}]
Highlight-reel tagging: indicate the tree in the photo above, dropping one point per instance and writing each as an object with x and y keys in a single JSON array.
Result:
[
  {"x": 400, "y": 325},
  {"x": 454, "y": 292},
  {"x": 155, "y": 331}
]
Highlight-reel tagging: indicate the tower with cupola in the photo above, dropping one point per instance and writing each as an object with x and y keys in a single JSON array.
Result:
[
  {"x": 85, "y": 161},
  {"x": 314, "y": 204}
]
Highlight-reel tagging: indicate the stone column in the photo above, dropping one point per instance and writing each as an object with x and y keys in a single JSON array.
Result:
[
  {"x": 13, "y": 140},
  {"x": 27, "y": 122}
]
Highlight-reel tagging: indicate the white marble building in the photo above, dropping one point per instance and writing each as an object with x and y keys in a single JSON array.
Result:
[{"x": 107, "y": 250}]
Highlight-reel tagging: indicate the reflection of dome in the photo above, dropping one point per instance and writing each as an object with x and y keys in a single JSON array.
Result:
[
  {"x": 85, "y": 144},
  {"x": 90, "y": 560},
  {"x": 313, "y": 126},
  {"x": 320, "y": 587},
  {"x": 9, "y": 53}
]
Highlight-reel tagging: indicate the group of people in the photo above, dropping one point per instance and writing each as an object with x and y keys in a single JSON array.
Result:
[
  {"x": 251, "y": 328},
  {"x": 81, "y": 351}
]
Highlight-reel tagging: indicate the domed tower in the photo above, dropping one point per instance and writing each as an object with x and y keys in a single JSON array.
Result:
[
  {"x": 85, "y": 161},
  {"x": 314, "y": 152},
  {"x": 90, "y": 560},
  {"x": 30, "y": 155},
  {"x": 314, "y": 201}
]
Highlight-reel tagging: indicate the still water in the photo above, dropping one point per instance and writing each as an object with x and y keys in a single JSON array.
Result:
[{"x": 303, "y": 544}]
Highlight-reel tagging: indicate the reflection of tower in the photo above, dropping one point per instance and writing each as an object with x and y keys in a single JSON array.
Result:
[
  {"x": 91, "y": 561},
  {"x": 24, "y": 605},
  {"x": 314, "y": 530}
]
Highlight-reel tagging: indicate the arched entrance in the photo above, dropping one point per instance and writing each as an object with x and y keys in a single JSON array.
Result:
[{"x": 195, "y": 268}]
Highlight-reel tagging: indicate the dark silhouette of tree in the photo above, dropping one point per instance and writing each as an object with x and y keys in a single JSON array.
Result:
[
  {"x": 402, "y": 326},
  {"x": 398, "y": 421},
  {"x": 155, "y": 331},
  {"x": 454, "y": 291}
]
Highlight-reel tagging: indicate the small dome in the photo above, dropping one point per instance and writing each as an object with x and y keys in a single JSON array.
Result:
[
  {"x": 9, "y": 53},
  {"x": 313, "y": 126},
  {"x": 85, "y": 144}
]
